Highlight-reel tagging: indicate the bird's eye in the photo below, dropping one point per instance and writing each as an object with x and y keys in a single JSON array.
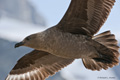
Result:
[{"x": 28, "y": 38}]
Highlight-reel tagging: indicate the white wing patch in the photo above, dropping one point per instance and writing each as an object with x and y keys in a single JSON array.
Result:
[{"x": 32, "y": 75}]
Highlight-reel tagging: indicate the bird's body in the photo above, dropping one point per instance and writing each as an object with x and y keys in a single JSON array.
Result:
[
  {"x": 66, "y": 45},
  {"x": 72, "y": 38}
]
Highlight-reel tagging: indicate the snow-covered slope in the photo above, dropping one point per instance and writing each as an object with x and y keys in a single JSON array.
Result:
[
  {"x": 21, "y": 10},
  {"x": 11, "y": 29}
]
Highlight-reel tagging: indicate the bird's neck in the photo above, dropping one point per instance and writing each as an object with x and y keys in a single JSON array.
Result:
[{"x": 47, "y": 39}]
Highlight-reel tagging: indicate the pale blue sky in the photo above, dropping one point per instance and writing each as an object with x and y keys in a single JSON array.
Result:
[{"x": 53, "y": 11}]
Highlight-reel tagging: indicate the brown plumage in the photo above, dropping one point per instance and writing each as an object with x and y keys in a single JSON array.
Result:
[
  {"x": 108, "y": 59},
  {"x": 39, "y": 65},
  {"x": 72, "y": 38}
]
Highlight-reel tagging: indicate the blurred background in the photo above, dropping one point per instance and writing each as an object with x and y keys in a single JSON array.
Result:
[{"x": 19, "y": 18}]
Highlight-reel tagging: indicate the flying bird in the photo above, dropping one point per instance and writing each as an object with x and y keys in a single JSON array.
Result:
[{"x": 72, "y": 38}]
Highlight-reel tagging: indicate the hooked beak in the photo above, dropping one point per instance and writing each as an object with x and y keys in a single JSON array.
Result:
[{"x": 19, "y": 44}]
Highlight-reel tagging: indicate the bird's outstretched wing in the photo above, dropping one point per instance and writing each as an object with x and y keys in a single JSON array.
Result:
[
  {"x": 37, "y": 65},
  {"x": 85, "y": 16}
]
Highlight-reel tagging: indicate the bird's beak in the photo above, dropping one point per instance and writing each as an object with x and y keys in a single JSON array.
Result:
[{"x": 19, "y": 44}]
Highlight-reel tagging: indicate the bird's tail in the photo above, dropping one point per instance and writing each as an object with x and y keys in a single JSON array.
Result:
[{"x": 108, "y": 52}]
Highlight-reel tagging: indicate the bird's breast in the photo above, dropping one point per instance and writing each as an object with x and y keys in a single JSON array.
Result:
[{"x": 67, "y": 45}]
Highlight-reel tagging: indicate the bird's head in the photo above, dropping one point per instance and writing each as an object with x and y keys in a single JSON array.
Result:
[{"x": 31, "y": 41}]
